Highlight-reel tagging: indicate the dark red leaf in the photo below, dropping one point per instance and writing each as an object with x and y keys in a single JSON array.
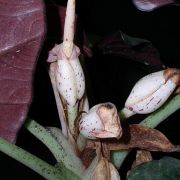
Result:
[
  {"x": 21, "y": 33},
  {"x": 149, "y": 5},
  {"x": 135, "y": 49}
]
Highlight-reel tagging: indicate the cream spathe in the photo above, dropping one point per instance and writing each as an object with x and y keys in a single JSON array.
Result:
[
  {"x": 102, "y": 121},
  {"x": 151, "y": 91},
  {"x": 70, "y": 77}
]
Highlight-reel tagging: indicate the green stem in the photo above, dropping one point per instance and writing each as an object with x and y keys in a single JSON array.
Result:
[
  {"x": 118, "y": 157},
  {"x": 52, "y": 144},
  {"x": 151, "y": 121},
  {"x": 72, "y": 114},
  {"x": 163, "y": 113},
  {"x": 44, "y": 136},
  {"x": 41, "y": 167}
]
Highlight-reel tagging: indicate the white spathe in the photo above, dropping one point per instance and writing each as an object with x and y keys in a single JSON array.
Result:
[
  {"x": 149, "y": 93},
  {"x": 102, "y": 121},
  {"x": 66, "y": 81},
  {"x": 79, "y": 77}
]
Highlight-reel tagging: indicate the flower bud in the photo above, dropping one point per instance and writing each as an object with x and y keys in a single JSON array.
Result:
[
  {"x": 102, "y": 121},
  {"x": 151, "y": 91},
  {"x": 105, "y": 170},
  {"x": 70, "y": 77},
  {"x": 79, "y": 75}
]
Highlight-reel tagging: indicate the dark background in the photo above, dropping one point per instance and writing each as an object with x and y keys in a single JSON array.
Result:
[{"x": 111, "y": 78}]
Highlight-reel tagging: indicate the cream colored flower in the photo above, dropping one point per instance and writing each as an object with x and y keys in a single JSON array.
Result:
[
  {"x": 70, "y": 77},
  {"x": 151, "y": 91},
  {"x": 102, "y": 121}
]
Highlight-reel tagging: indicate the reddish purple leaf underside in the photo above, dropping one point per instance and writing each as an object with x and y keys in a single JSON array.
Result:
[{"x": 21, "y": 32}]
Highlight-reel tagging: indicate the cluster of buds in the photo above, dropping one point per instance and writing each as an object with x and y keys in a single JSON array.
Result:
[
  {"x": 151, "y": 91},
  {"x": 102, "y": 120}
]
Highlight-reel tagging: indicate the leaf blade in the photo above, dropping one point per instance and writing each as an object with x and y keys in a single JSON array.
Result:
[
  {"x": 163, "y": 169},
  {"x": 21, "y": 33}
]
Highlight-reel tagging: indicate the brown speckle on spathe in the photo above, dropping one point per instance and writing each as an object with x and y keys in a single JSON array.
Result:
[
  {"x": 130, "y": 108},
  {"x": 158, "y": 101}
]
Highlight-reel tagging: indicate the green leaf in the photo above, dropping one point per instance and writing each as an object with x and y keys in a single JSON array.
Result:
[{"x": 167, "y": 168}]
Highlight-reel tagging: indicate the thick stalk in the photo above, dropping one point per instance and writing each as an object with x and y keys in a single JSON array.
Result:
[
  {"x": 52, "y": 144},
  {"x": 151, "y": 121},
  {"x": 36, "y": 164},
  {"x": 72, "y": 115},
  {"x": 163, "y": 113}
]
